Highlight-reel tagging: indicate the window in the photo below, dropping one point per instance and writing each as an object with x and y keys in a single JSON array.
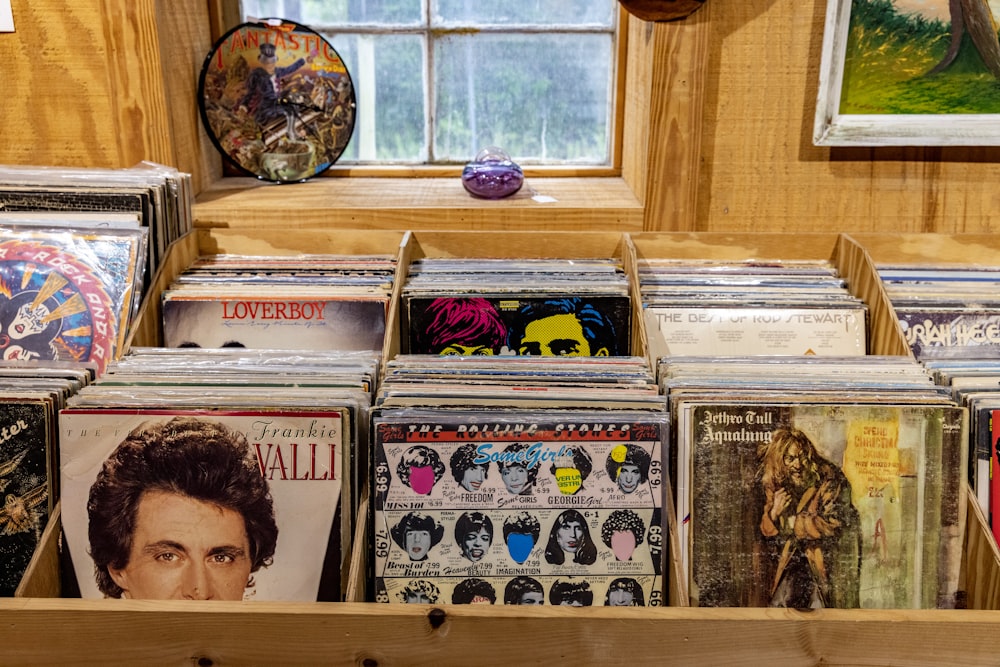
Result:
[{"x": 437, "y": 80}]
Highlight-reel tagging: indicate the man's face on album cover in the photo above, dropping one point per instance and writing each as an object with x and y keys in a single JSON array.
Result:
[
  {"x": 418, "y": 543},
  {"x": 629, "y": 477},
  {"x": 557, "y": 336},
  {"x": 185, "y": 549}
]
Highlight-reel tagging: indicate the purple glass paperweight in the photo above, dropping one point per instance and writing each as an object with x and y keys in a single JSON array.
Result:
[{"x": 492, "y": 175}]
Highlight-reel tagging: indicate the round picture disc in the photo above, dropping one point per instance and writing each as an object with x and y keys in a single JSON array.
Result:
[{"x": 277, "y": 100}]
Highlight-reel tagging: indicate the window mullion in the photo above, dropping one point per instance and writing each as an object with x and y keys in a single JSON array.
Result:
[{"x": 430, "y": 84}]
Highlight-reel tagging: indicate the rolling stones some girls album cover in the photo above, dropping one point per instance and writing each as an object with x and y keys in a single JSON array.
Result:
[
  {"x": 68, "y": 295},
  {"x": 536, "y": 499},
  {"x": 277, "y": 100}
]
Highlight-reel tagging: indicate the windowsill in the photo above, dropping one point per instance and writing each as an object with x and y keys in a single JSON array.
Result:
[{"x": 570, "y": 203}]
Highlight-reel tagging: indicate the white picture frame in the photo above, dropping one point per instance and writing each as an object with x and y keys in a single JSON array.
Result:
[{"x": 832, "y": 128}]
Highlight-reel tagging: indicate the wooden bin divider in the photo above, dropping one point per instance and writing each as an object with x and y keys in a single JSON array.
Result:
[{"x": 354, "y": 631}]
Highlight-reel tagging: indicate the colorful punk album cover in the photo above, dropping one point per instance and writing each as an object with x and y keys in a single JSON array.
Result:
[
  {"x": 66, "y": 296},
  {"x": 591, "y": 326},
  {"x": 204, "y": 504},
  {"x": 25, "y": 427},
  {"x": 277, "y": 100}
]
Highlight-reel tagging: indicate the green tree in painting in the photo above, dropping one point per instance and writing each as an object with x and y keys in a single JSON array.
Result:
[
  {"x": 899, "y": 62},
  {"x": 975, "y": 18}
]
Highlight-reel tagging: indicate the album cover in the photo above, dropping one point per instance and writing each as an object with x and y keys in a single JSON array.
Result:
[
  {"x": 736, "y": 330},
  {"x": 518, "y": 324},
  {"x": 929, "y": 329},
  {"x": 459, "y": 494},
  {"x": 68, "y": 295},
  {"x": 277, "y": 100},
  {"x": 573, "y": 591},
  {"x": 274, "y": 321},
  {"x": 204, "y": 504},
  {"x": 825, "y": 505},
  {"x": 26, "y": 487}
]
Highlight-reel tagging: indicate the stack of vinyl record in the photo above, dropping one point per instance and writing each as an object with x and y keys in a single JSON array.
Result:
[
  {"x": 950, "y": 316},
  {"x": 216, "y": 473},
  {"x": 518, "y": 480},
  {"x": 975, "y": 384},
  {"x": 155, "y": 197},
  {"x": 946, "y": 311},
  {"x": 816, "y": 481},
  {"x": 32, "y": 394},
  {"x": 296, "y": 302}
]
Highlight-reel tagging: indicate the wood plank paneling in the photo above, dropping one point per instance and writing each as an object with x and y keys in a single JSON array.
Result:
[
  {"x": 188, "y": 42},
  {"x": 232, "y": 633},
  {"x": 105, "y": 83},
  {"x": 760, "y": 170},
  {"x": 58, "y": 91},
  {"x": 673, "y": 150}
]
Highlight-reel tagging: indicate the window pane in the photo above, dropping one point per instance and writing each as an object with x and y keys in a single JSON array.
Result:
[
  {"x": 543, "y": 98},
  {"x": 436, "y": 80},
  {"x": 387, "y": 71},
  {"x": 314, "y": 13},
  {"x": 522, "y": 12}
]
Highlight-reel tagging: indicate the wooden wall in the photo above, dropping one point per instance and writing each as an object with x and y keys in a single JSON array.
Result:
[
  {"x": 105, "y": 83},
  {"x": 759, "y": 169},
  {"x": 719, "y": 112}
]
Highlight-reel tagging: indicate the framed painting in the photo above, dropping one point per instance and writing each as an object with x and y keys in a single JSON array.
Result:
[{"x": 909, "y": 73}]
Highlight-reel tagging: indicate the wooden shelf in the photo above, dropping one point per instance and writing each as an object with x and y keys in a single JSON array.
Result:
[
  {"x": 577, "y": 204},
  {"x": 220, "y": 633}
]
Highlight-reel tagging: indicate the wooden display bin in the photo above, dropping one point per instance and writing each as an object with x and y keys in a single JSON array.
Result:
[
  {"x": 39, "y": 627},
  {"x": 851, "y": 260},
  {"x": 972, "y": 250},
  {"x": 525, "y": 245}
]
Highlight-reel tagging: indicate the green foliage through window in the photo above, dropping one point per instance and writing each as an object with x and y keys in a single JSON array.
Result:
[{"x": 436, "y": 80}]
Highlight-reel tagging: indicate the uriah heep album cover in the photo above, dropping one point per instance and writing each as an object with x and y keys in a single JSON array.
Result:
[
  {"x": 584, "y": 326},
  {"x": 936, "y": 331},
  {"x": 201, "y": 504},
  {"x": 65, "y": 296}
]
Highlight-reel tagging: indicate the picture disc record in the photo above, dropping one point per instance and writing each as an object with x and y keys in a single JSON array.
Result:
[{"x": 277, "y": 100}]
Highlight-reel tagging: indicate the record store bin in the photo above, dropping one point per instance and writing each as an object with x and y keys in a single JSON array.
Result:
[{"x": 40, "y": 625}]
